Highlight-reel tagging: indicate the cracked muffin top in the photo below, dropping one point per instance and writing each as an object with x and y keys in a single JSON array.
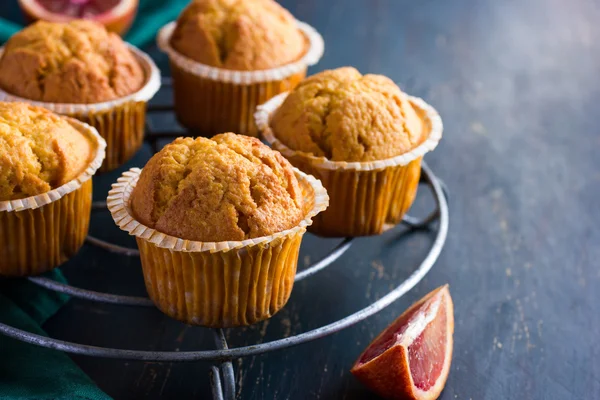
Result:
[
  {"x": 345, "y": 116},
  {"x": 227, "y": 188},
  {"x": 39, "y": 151},
  {"x": 242, "y": 35},
  {"x": 74, "y": 62}
]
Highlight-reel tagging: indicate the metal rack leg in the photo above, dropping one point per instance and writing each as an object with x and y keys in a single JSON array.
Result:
[
  {"x": 215, "y": 383},
  {"x": 226, "y": 367}
]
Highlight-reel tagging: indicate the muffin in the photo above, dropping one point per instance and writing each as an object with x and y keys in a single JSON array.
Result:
[
  {"x": 228, "y": 56},
  {"x": 218, "y": 223},
  {"x": 245, "y": 35},
  {"x": 219, "y": 189},
  {"x": 363, "y": 137},
  {"x": 81, "y": 70},
  {"x": 46, "y": 165}
]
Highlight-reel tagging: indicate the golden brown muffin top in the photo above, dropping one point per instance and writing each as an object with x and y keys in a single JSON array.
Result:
[
  {"x": 238, "y": 34},
  {"x": 345, "y": 116},
  {"x": 39, "y": 151},
  {"x": 75, "y": 62},
  {"x": 227, "y": 188}
]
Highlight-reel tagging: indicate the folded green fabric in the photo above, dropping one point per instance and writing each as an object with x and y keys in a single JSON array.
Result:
[
  {"x": 7, "y": 29},
  {"x": 32, "y": 372},
  {"x": 152, "y": 14}
]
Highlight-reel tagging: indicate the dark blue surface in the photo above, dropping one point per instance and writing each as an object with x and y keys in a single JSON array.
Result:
[{"x": 516, "y": 84}]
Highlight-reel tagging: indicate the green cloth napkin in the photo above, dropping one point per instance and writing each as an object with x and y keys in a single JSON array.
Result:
[
  {"x": 7, "y": 29},
  {"x": 32, "y": 372},
  {"x": 152, "y": 14}
]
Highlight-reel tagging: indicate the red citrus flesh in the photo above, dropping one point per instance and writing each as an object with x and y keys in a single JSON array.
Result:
[
  {"x": 116, "y": 15},
  {"x": 389, "y": 337},
  {"x": 78, "y": 8},
  {"x": 426, "y": 353},
  {"x": 411, "y": 358}
]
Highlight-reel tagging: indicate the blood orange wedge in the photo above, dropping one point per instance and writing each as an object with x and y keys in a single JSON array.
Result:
[
  {"x": 411, "y": 358},
  {"x": 116, "y": 15}
]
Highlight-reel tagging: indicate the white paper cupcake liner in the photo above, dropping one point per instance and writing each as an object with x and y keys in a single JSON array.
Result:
[
  {"x": 265, "y": 111},
  {"x": 147, "y": 91},
  {"x": 119, "y": 205},
  {"x": 43, "y": 199},
  {"x": 314, "y": 53}
]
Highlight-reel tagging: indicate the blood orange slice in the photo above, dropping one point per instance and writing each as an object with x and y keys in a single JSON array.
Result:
[
  {"x": 116, "y": 15},
  {"x": 411, "y": 358}
]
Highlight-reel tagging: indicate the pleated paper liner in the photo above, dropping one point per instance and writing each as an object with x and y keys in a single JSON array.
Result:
[
  {"x": 123, "y": 129},
  {"x": 217, "y": 284},
  {"x": 366, "y": 198},
  {"x": 120, "y": 122},
  {"x": 41, "y": 232},
  {"x": 210, "y": 100}
]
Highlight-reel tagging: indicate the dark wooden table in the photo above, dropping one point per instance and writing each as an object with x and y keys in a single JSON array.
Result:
[{"x": 516, "y": 83}]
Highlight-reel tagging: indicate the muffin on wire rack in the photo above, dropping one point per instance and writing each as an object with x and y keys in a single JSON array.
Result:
[
  {"x": 228, "y": 56},
  {"x": 46, "y": 166},
  {"x": 362, "y": 137},
  {"x": 80, "y": 70},
  {"x": 218, "y": 223}
]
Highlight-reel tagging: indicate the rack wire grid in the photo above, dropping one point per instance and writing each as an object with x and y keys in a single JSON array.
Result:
[{"x": 221, "y": 373}]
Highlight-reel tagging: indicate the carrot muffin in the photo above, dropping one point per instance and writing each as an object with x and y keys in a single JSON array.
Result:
[
  {"x": 80, "y": 70},
  {"x": 224, "y": 188},
  {"x": 244, "y": 35},
  {"x": 228, "y": 56},
  {"x": 219, "y": 224},
  {"x": 46, "y": 165},
  {"x": 345, "y": 116},
  {"x": 39, "y": 151},
  {"x": 75, "y": 62},
  {"x": 363, "y": 137}
]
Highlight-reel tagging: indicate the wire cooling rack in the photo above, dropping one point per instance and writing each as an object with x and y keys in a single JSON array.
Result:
[{"x": 221, "y": 373}]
